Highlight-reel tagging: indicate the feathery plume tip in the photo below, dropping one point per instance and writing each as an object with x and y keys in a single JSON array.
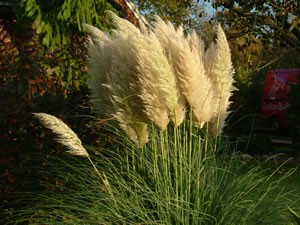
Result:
[{"x": 65, "y": 135}]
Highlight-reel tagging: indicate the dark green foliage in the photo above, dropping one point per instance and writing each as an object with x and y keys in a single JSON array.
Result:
[
  {"x": 56, "y": 26},
  {"x": 246, "y": 101},
  {"x": 55, "y": 20},
  {"x": 293, "y": 112}
]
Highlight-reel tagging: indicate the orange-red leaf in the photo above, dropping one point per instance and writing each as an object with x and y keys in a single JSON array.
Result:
[{"x": 31, "y": 82}]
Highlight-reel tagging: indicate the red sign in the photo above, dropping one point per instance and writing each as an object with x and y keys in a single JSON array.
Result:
[{"x": 277, "y": 85}]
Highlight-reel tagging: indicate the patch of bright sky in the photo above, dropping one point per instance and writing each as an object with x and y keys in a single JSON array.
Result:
[{"x": 211, "y": 12}]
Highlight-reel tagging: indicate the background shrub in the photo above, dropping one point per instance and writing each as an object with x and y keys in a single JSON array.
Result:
[
  {"x": 293, "y": 113},
  {"x": 35, "y": 79}
]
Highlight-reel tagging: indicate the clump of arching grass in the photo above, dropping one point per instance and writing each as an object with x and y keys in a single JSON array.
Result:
[{"x": 179, "y": 177}]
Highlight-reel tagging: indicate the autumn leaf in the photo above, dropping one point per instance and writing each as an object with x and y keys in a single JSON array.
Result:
[
  {"x": 38, "y": 80},
  {"x": 31, "y": 82},
  {"x": 27, "y": 66}
]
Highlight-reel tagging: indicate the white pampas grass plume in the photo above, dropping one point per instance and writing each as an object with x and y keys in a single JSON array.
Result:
[
  {"x": 135, "y": 130},
  {"x": 156, "y": 82},
  {"x": 185, "y": 55},
  {"x": 209, "y": 62},
  {"x": 196, "y": 42},
  {"x": 99, "y": 61},
  {"x": 135, "y": 84},
  {"x": 219, "y": 68},
  {"x": 65, "y": 135},
  {"x": 124, "y": 84},
  {"x": 146, "y": 76},
  {"x": 115, "y": 85}
]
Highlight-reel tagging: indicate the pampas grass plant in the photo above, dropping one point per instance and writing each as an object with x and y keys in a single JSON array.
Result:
[{"x": 159, "y": 173}]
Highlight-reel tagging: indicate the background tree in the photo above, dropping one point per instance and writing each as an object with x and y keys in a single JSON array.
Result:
[
  {"x": 275, "y": 22},
  {"x": 189, "y": 13}
]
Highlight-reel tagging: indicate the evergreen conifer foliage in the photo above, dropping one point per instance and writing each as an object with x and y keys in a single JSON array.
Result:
[{"x": 54, "y": 20}]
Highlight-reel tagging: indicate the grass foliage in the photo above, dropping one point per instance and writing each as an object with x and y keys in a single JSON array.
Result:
[{"x": 179, "y": 177}]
